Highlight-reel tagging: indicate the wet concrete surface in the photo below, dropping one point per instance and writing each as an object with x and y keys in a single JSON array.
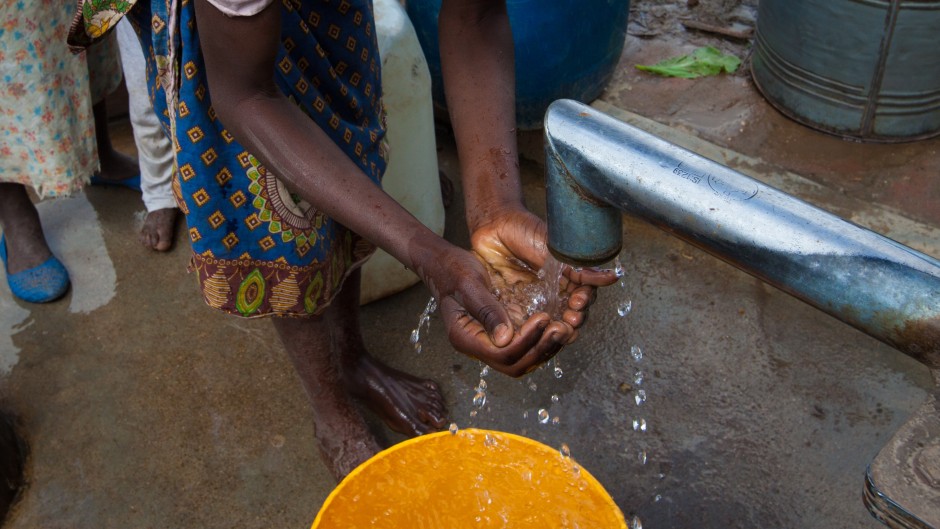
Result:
[{"x": 145, "y": 408}]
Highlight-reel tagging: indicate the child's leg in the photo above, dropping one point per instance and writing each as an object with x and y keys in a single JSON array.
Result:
[
  {"x": 407, "y": 404},
  {"x": 154, "y": 150},
  {"x": 342, "y": 435}
]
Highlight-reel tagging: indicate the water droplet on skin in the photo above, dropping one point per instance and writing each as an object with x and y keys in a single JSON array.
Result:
[
  {"x": 624, "y": 308},
  {"x": 453, "y": 428},
  {"x": 565, "y": 451},
  {"x": 479, "y": 399},
  {"x": 556, "y": 419},
  {"x": 554, "y": 398},
  {"x": 641, "y": 457},
  {"x": 558, "y": 372},
  {"x": 639, "y": 425},
  {"x": 640, "y": 397},
  {"x": 543, "y": 416},
  {"x": 636, "y": 352}
]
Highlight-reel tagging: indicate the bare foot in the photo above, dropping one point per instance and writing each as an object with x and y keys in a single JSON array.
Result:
[
  {"x": 158, "y": 229},
  {"x": 408, "y": 404},
  {"x": 344, "y": 443}
]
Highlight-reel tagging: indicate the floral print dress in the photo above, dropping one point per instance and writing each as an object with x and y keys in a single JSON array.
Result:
[{"x": 47, "y": 131}]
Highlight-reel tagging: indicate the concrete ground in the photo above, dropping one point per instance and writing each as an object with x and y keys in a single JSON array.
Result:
[{"x": 144, "y": 408}]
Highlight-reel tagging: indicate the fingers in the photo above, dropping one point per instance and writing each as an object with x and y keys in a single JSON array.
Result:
[
  {"x": 597, "y": 277},
  {"x": 536, "y": 342}
]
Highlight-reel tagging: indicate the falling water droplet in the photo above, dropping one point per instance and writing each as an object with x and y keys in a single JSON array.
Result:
[
  {"x": 641, "y": 457},
  {"x": 635, "y": 523},
  {"x": 618, "y": 267},
  {"x": 482, "y": 385},
  {"x": 624, "y": 308},
  {"x": 565, "y": 451},
  {"x": 554, "y": 398},
  {"x": 485, "y": 370},
  {"x": 479, "y": 399},
  {"x": 418, "y": 347},
  {"x": 556, "y": 419},
  {"x": 525, "y": 414},
  {"x": 639, "y": 425},
  {"x": 638, "y": 377},
  {"x": 636, "y": 352},
  {"x": 415, "y": 336},
  {"x": 658, "y": 497},
  {"x": 558, "y": 372},
  {"x": 640, "y": 397},
  {"x": 453, "y": 428},
  {"x": 543, "y": 416},
  {"x": 473, "y": 413},
  {"x": 533, "y": 386}
]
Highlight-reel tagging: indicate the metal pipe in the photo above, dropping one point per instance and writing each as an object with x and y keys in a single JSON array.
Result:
[{"x": 598, "y": 167}]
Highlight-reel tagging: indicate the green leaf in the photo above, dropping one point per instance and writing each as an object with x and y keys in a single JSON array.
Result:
[{"x": 703, "y": 61}]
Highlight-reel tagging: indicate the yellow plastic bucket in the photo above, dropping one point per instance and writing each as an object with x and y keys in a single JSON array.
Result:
[{"x": 470, "y": 479}]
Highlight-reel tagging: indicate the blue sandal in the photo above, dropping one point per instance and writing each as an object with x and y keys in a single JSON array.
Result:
[
  {"x": 130, "y": 183},
  {"x": 39, "y": 284}
]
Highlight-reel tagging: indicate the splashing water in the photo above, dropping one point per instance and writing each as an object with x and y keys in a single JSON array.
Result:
[
  {"x": 540, "y": 292},
  {"x": 425, "y": 321},
  {"x": 543, "y": 416},
  {"x": 453, "y": 428},
  {"x": 565, "y": 451},
  {"x": 624, "y": 308},
  {"x": 636, "y": 352}
]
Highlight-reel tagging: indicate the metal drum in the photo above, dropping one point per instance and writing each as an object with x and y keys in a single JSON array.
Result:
[{"x": 863, "y": 69}]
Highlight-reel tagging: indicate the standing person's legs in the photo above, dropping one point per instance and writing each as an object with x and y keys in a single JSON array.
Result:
[
  {"x": 33, "y": 273},
  {"x": 342, "y": 435},
  {"x": 407, "y": 404},
  {"x": 104, "y": 74},
  {"x": 22, "y": 232},
  {"x": 154, "y": 150}
]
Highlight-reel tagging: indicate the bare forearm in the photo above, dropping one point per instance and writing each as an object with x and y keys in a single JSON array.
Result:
[
  {"x": 477, "y": 62},
  {"x": 288, "y": 142}
]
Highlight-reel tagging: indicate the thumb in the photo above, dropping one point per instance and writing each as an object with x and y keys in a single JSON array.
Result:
[{"x": 486, "y": 309}]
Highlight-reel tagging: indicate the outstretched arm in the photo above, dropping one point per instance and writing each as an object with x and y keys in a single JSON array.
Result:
[
  {"x": 479, "y": 77},
  {"x": 254, "y": 110}
]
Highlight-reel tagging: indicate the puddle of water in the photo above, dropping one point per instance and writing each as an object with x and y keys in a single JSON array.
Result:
[{"x": 74, "y": 234}]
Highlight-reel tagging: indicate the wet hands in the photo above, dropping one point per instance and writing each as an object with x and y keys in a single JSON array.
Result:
[
  {"x": 478, "y": 325},
  {"x": 531, "y": 285}
]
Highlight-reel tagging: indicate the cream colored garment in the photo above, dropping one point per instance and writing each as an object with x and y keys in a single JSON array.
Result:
[{"x": 240, "y": 8}]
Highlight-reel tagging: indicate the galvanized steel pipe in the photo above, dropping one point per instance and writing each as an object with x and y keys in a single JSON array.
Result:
[{"x": 599, "y": 167}]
